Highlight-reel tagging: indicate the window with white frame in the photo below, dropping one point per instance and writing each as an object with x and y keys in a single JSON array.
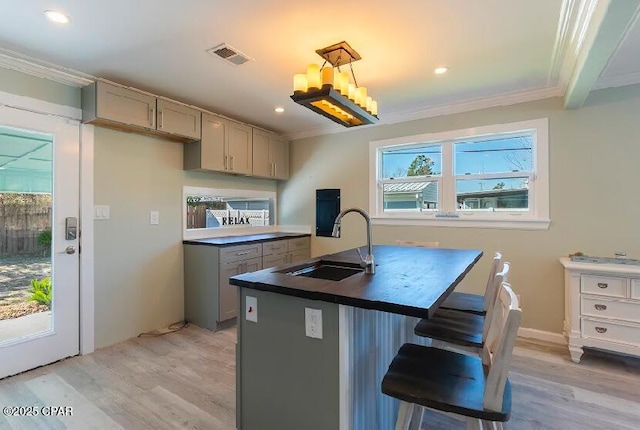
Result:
[{"x": 491, "y": 176}]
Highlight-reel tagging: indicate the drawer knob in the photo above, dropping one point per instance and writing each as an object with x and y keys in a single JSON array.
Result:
[
  {"x": 242, "y": 253},
  {"x": 601, "y": 329},
  {"x": 600, "y": 307},
  {"x": 603, "y": 284}
]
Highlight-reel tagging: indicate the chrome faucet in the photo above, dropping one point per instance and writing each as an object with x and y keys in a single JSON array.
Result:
[{"x": 366, "y": 262}]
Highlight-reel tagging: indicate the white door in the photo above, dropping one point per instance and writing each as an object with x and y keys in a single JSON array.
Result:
[{"x": 48, "y": 335}]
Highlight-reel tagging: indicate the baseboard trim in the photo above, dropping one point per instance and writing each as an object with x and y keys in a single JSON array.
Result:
[{"x": 547, "y": 336}]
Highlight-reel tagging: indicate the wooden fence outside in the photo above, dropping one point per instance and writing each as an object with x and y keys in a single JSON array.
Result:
[
  {"x": 20, "y": 227},
  {"x": 197, "y": 216}
]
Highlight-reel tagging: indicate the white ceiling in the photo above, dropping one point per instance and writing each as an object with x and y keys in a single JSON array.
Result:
[{"x": 498, "y": 51}]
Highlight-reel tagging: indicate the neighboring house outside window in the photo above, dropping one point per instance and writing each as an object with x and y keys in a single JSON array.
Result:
[{"x": 493, "y": 176}]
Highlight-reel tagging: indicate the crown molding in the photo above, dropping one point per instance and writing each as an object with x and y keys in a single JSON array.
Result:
[
  {"x": 42, "y": 69},
  {"x": 406, "y": 115}
]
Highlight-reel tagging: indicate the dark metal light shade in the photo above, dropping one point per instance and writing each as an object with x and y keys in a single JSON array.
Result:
[{"x": 321, "y": 100}]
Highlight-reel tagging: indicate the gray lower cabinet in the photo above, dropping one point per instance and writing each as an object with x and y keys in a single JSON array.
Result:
[
  {"x": 278, "y": 252},
  {"x": 208, "y": 297}
]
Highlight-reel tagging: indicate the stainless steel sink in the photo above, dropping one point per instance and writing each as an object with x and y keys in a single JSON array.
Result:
[{"x": 326, "y": 270}]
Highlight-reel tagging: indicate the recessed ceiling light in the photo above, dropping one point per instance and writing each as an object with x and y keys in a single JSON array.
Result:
[
  {"x": 441, "y": 70},
  {"x": 279, "y": 109},
  {"x": 58, "y": 17}
]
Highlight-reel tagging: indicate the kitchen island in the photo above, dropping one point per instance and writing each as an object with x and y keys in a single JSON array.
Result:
[{"x": 288, "y": 380}]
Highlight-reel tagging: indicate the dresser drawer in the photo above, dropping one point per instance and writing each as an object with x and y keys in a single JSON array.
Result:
[
  {"x": 604, "y": 285},
  {"x": 239, "y": 253},
  {"x": 635, "y": 289},
  {"x": 298, "y": 243},
  {"x": 613, "y": 309},
  {"x": 275, "y": 247},
  {"x": 611, "y": 331}
]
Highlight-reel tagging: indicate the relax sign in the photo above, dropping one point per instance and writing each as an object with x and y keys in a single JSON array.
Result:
[{"x": 235, "y": 220}]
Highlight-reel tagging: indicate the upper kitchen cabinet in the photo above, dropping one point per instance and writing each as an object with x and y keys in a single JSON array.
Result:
[
  {"x": 178, "y": 119},
  {"x": 125, "y": 108},
  {"x": 240, "y": 148},
  {"x": 270, "y": 155},
  {"x": 225, "y": 147}
]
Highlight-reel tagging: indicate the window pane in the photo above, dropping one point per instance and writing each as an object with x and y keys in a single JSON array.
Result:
[
  {"x": 213, "y": 212},
  {"x": 407, "y": 162},
  {"x": 413, "y": 196},
  {"x": 494, "y": 156},
  {"x": 496, "y": 194}
]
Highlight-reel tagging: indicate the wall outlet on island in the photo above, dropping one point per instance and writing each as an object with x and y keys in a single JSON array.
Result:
[{"x": 313, "y": 322}]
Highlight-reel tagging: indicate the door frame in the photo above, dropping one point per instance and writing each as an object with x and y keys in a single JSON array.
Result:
[{"x": 86, "y": 240}]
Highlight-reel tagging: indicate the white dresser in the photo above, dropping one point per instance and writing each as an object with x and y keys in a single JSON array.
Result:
[{"x": 601, "y": 307}]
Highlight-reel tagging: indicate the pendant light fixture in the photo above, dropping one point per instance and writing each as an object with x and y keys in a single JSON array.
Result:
[{"x": 329, "y": 91}]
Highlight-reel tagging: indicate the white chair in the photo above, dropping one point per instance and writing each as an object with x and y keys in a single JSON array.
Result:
[
  {"x": 475, "y": 303},
  {"x": 472, "y": 386},
  {"x": 462, "y": 328}
]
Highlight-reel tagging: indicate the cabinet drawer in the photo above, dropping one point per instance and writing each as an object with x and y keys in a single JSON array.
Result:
[
  {"x": 274, "y": 260},
  {"x": 602, "y": 308},
  {"x": 298, "y": 243},
  {"x": 610, "y": 331},
  {"x": 239, "y": 253},
  {"x": 635, "y": 289},
  {"x": 274, "y": 247},
  {"x": 604, "y": 285}
]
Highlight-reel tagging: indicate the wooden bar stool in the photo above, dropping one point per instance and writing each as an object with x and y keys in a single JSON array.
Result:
[
  {"x": 475, "y": 303},
  {"x": 475, "y": 387},
  {"x": 462, "y": 328}
]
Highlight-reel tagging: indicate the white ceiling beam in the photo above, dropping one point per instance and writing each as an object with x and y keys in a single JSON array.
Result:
[{"x": 605, "y": 23}]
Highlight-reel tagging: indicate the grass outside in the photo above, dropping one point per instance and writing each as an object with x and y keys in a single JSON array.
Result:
[{"x": 16, "y": 273}]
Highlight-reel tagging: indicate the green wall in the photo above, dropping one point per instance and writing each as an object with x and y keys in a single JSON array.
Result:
[
  {"x": 593, "y": 201},
  {"x": 139, "y": 267},
  {"x": 38, "y": 88}
]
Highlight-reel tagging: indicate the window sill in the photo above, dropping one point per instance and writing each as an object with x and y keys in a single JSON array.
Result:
[{"x": 507, "y": 224}]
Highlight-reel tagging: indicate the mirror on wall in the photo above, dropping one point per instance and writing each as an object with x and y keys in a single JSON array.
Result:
[{"x": 208, "y": 208}]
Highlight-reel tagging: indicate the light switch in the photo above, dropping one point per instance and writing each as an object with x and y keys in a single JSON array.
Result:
[
  {"x": 101, "y": 212},
  {"x": 251, "y": 309},
  {"x": 313, "y": 322},
  {"x": 154, "y": 217}
]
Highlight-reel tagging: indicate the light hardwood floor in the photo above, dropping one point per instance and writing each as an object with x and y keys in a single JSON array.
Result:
[{"x": 187, "y": 380}]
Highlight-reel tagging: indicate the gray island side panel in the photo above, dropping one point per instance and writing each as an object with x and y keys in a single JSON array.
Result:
[{"x": 285, "y": 380}]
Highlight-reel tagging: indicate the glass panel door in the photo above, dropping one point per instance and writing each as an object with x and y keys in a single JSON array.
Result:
[{"x": 39, "y": 262}]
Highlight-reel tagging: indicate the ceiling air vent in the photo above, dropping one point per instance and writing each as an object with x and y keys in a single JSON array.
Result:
[{"x": 229, "y": 53}]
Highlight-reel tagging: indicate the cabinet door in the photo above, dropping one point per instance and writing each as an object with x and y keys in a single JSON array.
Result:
[
  {"x": 213, "y": 143},
  {"x": 262, "y": 165},
  {"x": 227, "y": 293},
  {"x": 125, "y": 105},
  {"x": 275, "y": 260},
  {"x": 178, "y": 119},
  {"x": 240, "y": 148},
  {"x": 279, "y": 157},
  {"x": 299, "y": 255}
]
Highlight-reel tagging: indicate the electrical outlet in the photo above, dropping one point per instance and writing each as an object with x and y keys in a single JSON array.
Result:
[
  {"x": 313, "y": 322},
  {"x": 251, "y": 309},
  {"x": 154, "y": 218}
]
